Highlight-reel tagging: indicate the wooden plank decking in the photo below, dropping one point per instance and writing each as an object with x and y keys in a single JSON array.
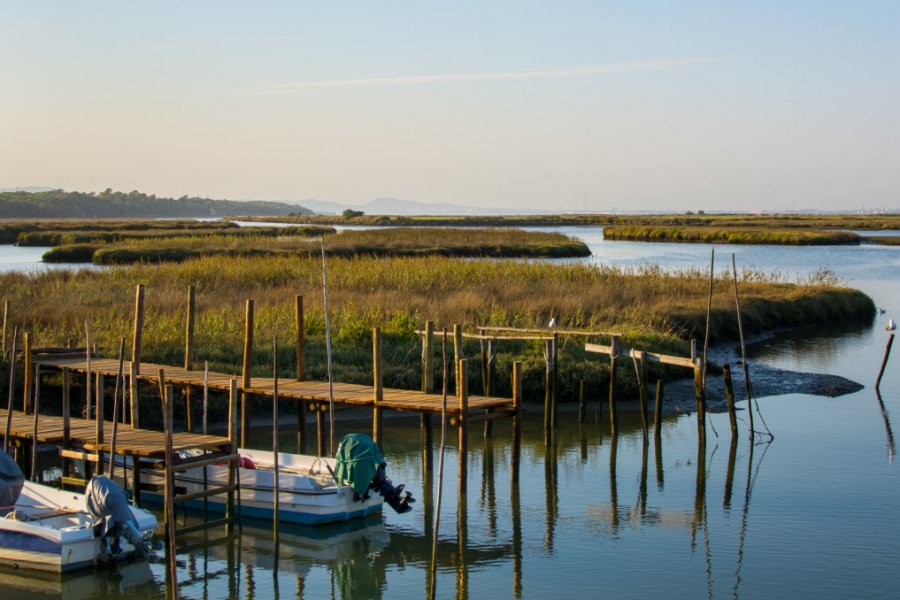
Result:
[
  {"x": 346, "y": 394},
  {"x": 83, "y": 435}
]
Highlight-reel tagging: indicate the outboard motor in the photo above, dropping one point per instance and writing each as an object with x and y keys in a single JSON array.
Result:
[
  {"x": 11, "y": 481},
  {"x": 105, "y": 500},
  {"x": 361, "y": 466}
]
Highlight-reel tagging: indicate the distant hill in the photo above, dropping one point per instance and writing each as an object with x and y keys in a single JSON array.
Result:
[
  {"x": 62, "y": 204},
  {"x": 395, "y": 206}
]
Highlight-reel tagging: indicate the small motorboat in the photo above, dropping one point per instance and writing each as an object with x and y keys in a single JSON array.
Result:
[
  {"x": 48, "y": 529},
  {"x": 312, "y": 490}
]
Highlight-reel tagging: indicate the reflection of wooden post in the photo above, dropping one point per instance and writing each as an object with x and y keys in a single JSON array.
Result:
[
  {"x": 189, "y": 354},
  {"x": 516, "y": 422},
  {"x": 729, "y": 399},
  {"x": 246, "y": 380},
  {"x": 300, "y": 332},
  {"x": 137, "y": 336},
  {"x": 378, "y": 385},
  {"x": 463, "y": 448},
  {"x": 657, "y": 410},
  {"x": 613, "y": 412},
  {"x": 581, "y": 407},
  {"x": 99, "y": 423},
  {"x": 28, "y": 376}
]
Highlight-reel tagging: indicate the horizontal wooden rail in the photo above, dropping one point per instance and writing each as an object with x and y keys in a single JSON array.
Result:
[{"x": 665, "y": 359}]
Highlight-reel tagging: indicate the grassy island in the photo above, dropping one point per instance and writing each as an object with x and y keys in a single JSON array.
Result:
[{"x": 730, "y": 235}]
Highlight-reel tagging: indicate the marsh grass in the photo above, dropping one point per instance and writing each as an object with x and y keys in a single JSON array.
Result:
[
  {"x": 730, "y": 235},
  {"x": 494, "y": 243},
  {"x": 654, "y": 309}
]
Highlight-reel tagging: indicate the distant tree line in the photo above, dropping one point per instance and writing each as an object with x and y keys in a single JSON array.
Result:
[{"x": 62, "y": 204}]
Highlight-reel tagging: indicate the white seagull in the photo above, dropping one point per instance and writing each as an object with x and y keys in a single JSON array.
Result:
[
  {"x": 552, "y": 323},
  {"x": 891, "y": 325}
]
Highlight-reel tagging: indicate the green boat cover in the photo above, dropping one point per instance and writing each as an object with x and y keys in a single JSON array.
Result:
[{"x": 358, "y": 459}]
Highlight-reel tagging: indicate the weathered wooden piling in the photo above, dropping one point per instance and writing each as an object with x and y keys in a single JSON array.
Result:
[
  {"x": 377, "y": 385},
  {"x": 516, "y": 423},
  {"x": 246, "y": 380},
  {"x": 300, "y": 348},
  {"x": 189, "y": 354},
  {"x": 34, "y": 433},
  {"x": 887, "y": 353},
  {"x": 548, "y": 394},
  {"x": 700, "y": 395},
  {"x": 426, "y": 425},
  {"x": 137, "y": 337},
  {"x": 613, "y": 412},
  {"x": 98, "y": 430},
  {"x": 729, "y": 399},
  {"x": 462, "y": 367},
  {"x": 640, "y": 366},
  {"x": 28, "y": 375}
]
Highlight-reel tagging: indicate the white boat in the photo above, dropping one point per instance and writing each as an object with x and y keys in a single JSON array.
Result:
[
  {"x": 51, "y": 530},
  {"x": 312, "y": 490}
]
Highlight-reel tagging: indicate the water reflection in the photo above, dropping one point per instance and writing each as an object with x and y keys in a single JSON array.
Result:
[{"x": 887, "y": 426}]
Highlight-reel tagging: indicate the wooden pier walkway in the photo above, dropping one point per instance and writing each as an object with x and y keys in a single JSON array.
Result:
[{"x": 312, "y": 392}]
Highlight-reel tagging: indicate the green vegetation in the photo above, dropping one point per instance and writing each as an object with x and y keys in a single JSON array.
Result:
[
  {"x": 495, "y": 243},
  {"x": 653, "y": 310},
  {"x": 732, "y": 235},
  {"x": 61, "y": 204},
  {"x": 870, "y": 222},
  {"x": 13, "y": 230},
  {"x": 60, "y": 238}
]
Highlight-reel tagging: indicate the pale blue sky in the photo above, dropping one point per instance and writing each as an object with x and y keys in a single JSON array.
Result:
[{"x": 637, "y": 105}]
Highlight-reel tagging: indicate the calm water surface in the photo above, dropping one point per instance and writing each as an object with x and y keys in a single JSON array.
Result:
[{"x": 809, "y": 515}]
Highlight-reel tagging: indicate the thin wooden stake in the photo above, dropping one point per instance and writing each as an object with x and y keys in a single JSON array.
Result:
[
  {"x": 87, "y": 349},
  {"x": 168, "y": 402},
  {"x": 246, "y": 380},
  {"x": 377, "y": 385},
  {"x": 887, "y": 353},
  {"x": 135, "y": 367},
  {"x": 276, "y": 489},
  {"x": 613, "y": 411},
  {"x": 729, "y": 399},
  {"x": 120, "y": 385},
  {"x": 517, "y": 422},
  {"x": 5, "y": 320},
  {"x": 440, "y": 485},
  {"x": 712, "y": 263},
  {"x": 27, "y": 376},
  {"x": 463, "y": 449},
  {"x": 12, "y": 389},
  {"x": 189, "y": 354},
  {"x": 98, "y": 422},
  {"x": 233, "y": 448},
  {"x": 657, "y": 410},
  {"x": 328, "y": 352},
  {"x": 34, "y": 435},
  {"x": 205, "y": 393},
  {"x": 300, "y": 333}
]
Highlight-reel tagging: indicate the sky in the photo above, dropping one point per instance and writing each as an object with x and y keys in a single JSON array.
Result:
[{"x": 598, "y": 106}]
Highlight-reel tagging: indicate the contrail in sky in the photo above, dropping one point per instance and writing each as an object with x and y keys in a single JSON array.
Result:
[{"x": 605, "y": 69}]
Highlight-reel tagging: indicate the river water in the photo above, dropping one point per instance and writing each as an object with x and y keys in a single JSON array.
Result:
[{"x": 807, "y": 515}]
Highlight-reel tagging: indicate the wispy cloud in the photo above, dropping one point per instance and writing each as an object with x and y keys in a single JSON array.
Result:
[{"x": 603, "y": 69}]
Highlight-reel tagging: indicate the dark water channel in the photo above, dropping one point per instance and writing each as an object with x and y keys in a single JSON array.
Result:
[{"x": 808, "y": 515}]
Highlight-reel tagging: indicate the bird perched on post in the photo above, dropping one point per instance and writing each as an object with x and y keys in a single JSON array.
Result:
[
  {"x": 891, "y": 325},
  {"x": 552, "y": 323}
]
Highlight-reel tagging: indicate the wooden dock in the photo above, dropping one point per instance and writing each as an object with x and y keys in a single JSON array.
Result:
[{"x": 311, "y": 392}]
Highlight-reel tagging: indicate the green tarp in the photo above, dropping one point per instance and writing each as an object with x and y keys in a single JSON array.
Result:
[{"x": 358, "y": 459}]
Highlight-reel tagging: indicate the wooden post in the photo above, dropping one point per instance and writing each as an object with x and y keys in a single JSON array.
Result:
[
  {"x": 548, "y": 394},
  {"x": 134, "y": 391},
  {"x": 613, "y": 412},
  {"x": 120, "y": 385},
  {"x": 428, "y": 358},
  {"x": 489, "y": 389},
  {"x": 729, "y": 398},
  {"x": 245, "y": 373},
  {"x": 378, "y": 385},
  {"x": 233, "y": 448},
  {"x": 5, "y": 320},
  {"x": 34, "y": 434},
  {"x": 28, "y": 376},
  {"x": 300, "y": 333},
  {"x": 168, "y": 402},
  {"x": 457, "y": 353},
  {"x": 189, "y": 355},
  {"x": 426, "y": 426},
  {"x": 320, "y": 429},
  {"x": 555, "y": 374},
  {"x": 701, "y": 401},
  {"x": 517, "y": 422},
  {"x": 98, "y": 411},
  {"x": 641, "y": 364},
  {"x": 66, "y": 410},
  {"x": 887, "y": 353},
  {"x": 12, "y": 388},
  {"x": 657, "y": 410},
  {"x": 484, "y": 362},
  {"x": 463, "y": 448}
]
